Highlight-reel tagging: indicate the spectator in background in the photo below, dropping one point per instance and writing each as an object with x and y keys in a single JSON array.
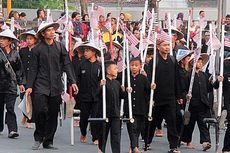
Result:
[
  {"x": 77, "y": 25},
  {"x": 227, "y": 26},
  {"x": 101, "y": 22},
  {"x": 14, "y": 14},
  {"x": 85, "y": 26},
  {"x": 136, "y": 33},
  {"x": 22, "y": 16},
  {"x": 180, "y": 16},
  {"x": 202, "y": 19},
  {"x": 122, "y": 17},
  {"x": 109, "y": 17},
  {"x": 40, "y": 16}
]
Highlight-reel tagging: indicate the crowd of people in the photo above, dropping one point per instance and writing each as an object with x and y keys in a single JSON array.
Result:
[{"x": 35, "y": 60}]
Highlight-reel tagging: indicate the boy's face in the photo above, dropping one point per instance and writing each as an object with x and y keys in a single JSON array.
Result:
[
  {"x": 185, "y": 61},
  {"x": 112, "y": 70},
  {"x": 89, "y": 53},
  {"x": 148, "y": 58},
  {"x": 135, "y": 67},
  {"x": 199, "y": 64}
]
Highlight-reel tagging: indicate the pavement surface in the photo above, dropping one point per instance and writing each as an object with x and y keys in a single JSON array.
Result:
[{"x": 62, "y": 141}]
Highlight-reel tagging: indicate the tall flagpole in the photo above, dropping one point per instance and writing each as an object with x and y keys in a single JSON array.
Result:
[
  {"x": 143, "y": 29},
  {"x": 170, "y": 33},
  {"x": 123, "y": 75},
  {"x": 220, "y": 91},
  {"x": 189, "y": 26}
]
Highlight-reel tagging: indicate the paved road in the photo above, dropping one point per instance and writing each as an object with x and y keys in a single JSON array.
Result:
[{"x": 62, "y": 141}]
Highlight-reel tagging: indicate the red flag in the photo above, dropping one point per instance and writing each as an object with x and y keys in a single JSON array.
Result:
[
  {"x": 133, "y": 50},
  {"x": 132, "y": 39},
  {"x": 120, "y": 64}
]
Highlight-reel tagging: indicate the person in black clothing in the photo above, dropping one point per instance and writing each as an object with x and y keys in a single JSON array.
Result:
[
  {"x": 114, "y": 93},
  {"x": 199, "y": 105},
  {"x": 139, "y": 92},
  {"x": 226, "y": 90},
  {"x": 49, "y": 60},
  {"x": 183, "y": 56},
  {"x": 11, "y": 75},
  {"x": 25, "y": 54},
  {"x": 166, "y": 93},
  {"x": 88, "y": 76},
  {"x": 78, "y": 57}
]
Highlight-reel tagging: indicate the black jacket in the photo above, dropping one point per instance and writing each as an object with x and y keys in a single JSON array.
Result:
[
  {"x": 201, "y": 87},
  {"x": 88, "y": 76},
  {"x": 140, "y": 94},
  {"x": 25, "y": 56},
  {"x": 114, "y": 94},
  {"x": 167, "y": 81},
  {"x": 7, "y": 83},
  {"x": 184, "y": 82},
  {"x": 47, "y": 64}
]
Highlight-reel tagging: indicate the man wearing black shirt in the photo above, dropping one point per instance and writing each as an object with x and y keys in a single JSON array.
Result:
[
  {"x": 49, "y": 60},
  {"x": 166, "y": 93}
]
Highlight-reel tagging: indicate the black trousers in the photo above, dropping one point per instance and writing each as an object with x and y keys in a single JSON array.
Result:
[
  {"x": 45, "y": 109},
  {"x": 8, "y": 100},
  {"x": 89, "y": 109},
  {"x": 169, "y": 114},
  {"x": 227, "y": 138},
  {"x": 114, "y": 126},
  {"x": 134, "y": 130},
  {"x": 197, "y": 116},
  {"x": 179, "y": 119}
]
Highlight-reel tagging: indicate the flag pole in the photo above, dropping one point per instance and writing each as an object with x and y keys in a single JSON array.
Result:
[
  {"x": 143, "y": 29},
  {"x": 129, "y": 85},
  {"x": 148, "y": 38},
  {"x": 123, "y": 75},
  {"x": 187, "y": 114},
  {"x": 92, "y": 28},
  {"x": 170, "y": 33},
  {"x": 220, "y": 91},
  {"x": 188, "y": 30},
  {"x": 151, "y": 104}
]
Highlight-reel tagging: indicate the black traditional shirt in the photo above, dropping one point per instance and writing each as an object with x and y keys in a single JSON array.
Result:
[
  {"x": 47, "y": 64},
  {"x": 7, "y": 83},
  {"x": 88, "y": 76}
]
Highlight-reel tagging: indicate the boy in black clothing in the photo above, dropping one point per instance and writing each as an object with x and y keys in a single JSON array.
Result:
[
  {"x": 113, "y": 95},
  {"x": 88, "y": 76},
  {"x": 199, "y": 105},
  {"x": 140, "y": 91}
]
